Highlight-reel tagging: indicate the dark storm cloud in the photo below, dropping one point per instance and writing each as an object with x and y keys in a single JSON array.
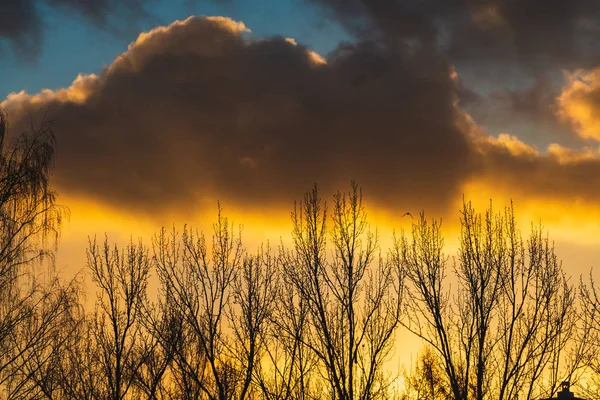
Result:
[
  {"x": 537, "y": 33},
  {"x": 196, "y": 110},
  {"x": 500, "y": 48},
  {"x": 531, "y": 111},
  {"x": 540, "y": 34}
]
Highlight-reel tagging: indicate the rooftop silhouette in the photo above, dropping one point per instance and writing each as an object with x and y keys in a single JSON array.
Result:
[{"x": 565, "y": 393}]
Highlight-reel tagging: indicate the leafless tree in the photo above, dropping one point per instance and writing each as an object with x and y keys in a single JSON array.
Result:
[
  {"x": 511, "y": 319},
  {"x": 121, "y": 278},
  {"x": 80, "y": 373},
  {"x": 29, "y": 227},
  {"x": 315, "y": 320},
  {"x": 289, "y": 370},
  {"x": 353, "y": 297},
  {"x": 254, "y": 294},
  {"x": 590, "y": 297},
  {"x": 427, "y": 381},
  {"x": 41, "y": 343},
  {"x": 163, "y": 324},
  {"x": 214, "y": 292}
]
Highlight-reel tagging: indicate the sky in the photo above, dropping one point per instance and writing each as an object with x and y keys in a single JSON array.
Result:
[
  {"x": 68, "y": 44},
  {"x": 162, "y": 108}
]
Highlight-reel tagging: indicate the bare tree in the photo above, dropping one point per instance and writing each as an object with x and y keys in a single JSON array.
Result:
[
  {"x": 353, "y": 297},
  {"x": 163, "y": 324},
  {"x": 316, "y": 320},
  {"x": 254, "y": 293},
  {"x": 121, "y": 278},
  {"x": 511, "y": 319},
  {"x": 590, "y": 297},
  {"x": 80, "y": 373},
  {"x": 41, "y": 342},
  {"x": 427, "y": 381},
  {"x": 289, "y": 370},
  {"x": 29, "y": 226},
  {"x": 200, "y": 285}
]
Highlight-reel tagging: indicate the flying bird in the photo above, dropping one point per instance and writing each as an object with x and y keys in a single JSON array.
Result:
[{"x": 407, "y": 213}]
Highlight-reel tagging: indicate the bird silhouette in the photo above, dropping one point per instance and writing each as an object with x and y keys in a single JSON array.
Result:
[{"x": 407, "y": 213}]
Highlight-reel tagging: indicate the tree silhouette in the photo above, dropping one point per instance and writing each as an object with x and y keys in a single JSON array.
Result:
[
  {"x": 427, "y": 381},
  {"x": 353, "y": 298},
  {"x": 223, "y": 298},
  {"x": 313, "y": 320},
  {"x": 31, "y": 300},
  {"x": 512, "y": 318},
  {"x": 122, "y": 278}
]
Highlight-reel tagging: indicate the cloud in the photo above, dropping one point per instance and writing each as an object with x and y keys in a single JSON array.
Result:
[
  {"x": 508, "y": 53},
  {"x": 195, "y": 112},
  {"x": 558, "y": 174},
  {"x": 536, "y": 33},
  {"x": 21, "y": 26},
  {"x": 512, "y": 144},
  {"x": 579, "y": 103}
]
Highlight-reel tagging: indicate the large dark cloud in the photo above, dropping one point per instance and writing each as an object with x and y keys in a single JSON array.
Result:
[
  {"x": 195, "y": 110},
  {"x": 508, "y": 50},
  {"x": 539, "y": 33}
]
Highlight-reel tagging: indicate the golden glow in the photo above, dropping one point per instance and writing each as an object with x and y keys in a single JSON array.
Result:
[
  {"x": 578, "y": 102},
  {"x": 513, "y": 144},
  {"x": 315, "y": 57},
  {"x": 77, "y": 93},
  {"x": 143, "y": 42},
  {"x": 224, "y": 22},
  {"x": 566, "y": 156},
  {"x": 575, "y": 221}
]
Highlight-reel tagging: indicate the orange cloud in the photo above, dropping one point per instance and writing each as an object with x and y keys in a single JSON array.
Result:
[
  {"x": 566, "y": 156},
  {"x": 512, "y": 144},
  {"x": 77, "y": 93},
  {"x": 579, "y": 103}
]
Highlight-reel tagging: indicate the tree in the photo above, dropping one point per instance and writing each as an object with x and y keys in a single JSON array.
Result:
[
  {"x": 511, "y": 319},
  {"x": 290, "y": 369},
  {"x": 29, "y": 226},
  {"x": 42, "y": 342},
  {"x": 254, "y": 293},
  {"x": 427, "y": 381},
  {"x": 79, "y": 373},
  {"x": 590, "y": 297},
  {"x": 213, "y": 292},
  {"x": 121, "y": 278},
  {"x": 353, "y": 297},
  {"x": 164, "y": 338}
]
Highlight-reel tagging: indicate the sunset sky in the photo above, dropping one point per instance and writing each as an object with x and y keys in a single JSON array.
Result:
[{"x": 162, "y": 108}]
